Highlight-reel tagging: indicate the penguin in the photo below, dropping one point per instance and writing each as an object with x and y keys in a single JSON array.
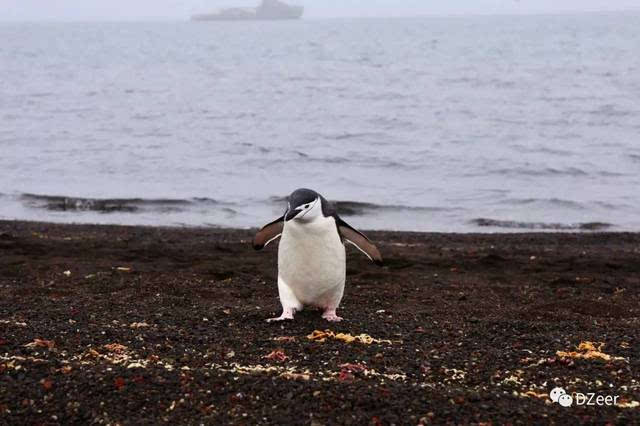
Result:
[{"x": 311, "y": 254}]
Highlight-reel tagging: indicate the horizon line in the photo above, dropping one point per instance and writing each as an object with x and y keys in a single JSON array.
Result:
[{"x": 328, "y": 17}]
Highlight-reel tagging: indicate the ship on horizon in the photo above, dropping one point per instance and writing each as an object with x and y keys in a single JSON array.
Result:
[{"x": 269, "y": 10}]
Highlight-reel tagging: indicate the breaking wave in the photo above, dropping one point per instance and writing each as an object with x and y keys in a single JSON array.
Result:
[
  {"x": 111, "y": 205},
  {"x": 546, "y": 203},
  {"x": 357, "y": 208},
  {"x": 511, "y": 224}
]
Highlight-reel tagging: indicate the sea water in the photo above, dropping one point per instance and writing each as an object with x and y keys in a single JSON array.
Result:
[{"x": 433, "y": 124}]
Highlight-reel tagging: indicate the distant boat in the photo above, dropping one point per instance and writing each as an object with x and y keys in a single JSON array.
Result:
[{"x": 269, "y": 10}]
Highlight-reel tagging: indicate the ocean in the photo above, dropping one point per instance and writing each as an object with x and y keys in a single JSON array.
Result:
[{"x": 447, "y": 124}]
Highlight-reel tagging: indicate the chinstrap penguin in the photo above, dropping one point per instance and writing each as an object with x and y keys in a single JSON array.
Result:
[{"x": 311, "y": 254}]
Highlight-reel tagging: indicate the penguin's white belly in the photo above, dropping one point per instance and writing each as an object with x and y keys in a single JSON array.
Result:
[{"x": 312, "y": 262}]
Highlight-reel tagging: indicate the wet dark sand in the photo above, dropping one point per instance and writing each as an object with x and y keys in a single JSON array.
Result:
[{"x": 178, "y": 333}]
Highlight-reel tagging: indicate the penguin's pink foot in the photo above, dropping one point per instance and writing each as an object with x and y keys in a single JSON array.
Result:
[
  {"x": 287, "y": 314},
  {"x": 330, "y": 315}
]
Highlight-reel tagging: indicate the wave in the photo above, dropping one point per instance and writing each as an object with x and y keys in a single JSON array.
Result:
[
  {"x": 358, "y": 208},
  {"x": 347, "y": 135},
  {"x": 41, "y": 94},
  {"x": 541, "y": 150},
  {"x": 359, "y": 161},
  {"x": 511, "y": 224},
  {"x": 546, "y": 202},
  {"x": 611, "y": 111},
  {"x": 547, "y": 171},
  {"x": 560, "y": 203},
  {"x": 111, "y": 205}
]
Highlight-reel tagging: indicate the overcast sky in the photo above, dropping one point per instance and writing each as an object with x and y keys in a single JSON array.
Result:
[{"x": 73, "y": 10}]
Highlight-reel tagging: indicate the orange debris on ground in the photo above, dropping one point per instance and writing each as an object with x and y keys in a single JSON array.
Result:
[
  {"x": 115, "y": 348},
  {"x": 40, "y": 343},
  {"x": 321, "y": 336},
  {"x": 588, "y": 350},
  {"x": 277, "y": 355}
]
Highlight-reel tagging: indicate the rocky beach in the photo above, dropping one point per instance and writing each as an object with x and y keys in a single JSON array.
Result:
[{"x": 130, "y": 325}]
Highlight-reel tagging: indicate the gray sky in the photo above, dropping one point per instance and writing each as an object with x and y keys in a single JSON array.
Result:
[{"x": 72, "y": 10}]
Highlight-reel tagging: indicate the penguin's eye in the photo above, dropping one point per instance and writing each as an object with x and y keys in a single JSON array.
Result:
[{"x": 307, "y": 206}]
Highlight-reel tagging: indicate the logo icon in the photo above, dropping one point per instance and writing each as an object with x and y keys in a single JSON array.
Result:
[{"x": 561, "y": 397}]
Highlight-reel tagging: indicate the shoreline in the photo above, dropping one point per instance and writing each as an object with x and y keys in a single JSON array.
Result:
[
  {"x": 132, "y": 323},
  {"x": 205, "y": 212},
  {"x": 508, "y": 227}
]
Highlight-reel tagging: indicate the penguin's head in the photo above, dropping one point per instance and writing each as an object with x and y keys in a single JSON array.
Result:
[{"x": 305, "y": 205}]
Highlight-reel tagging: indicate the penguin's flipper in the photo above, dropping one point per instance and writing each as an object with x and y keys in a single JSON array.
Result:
[
  {"x": 358, "y": 239},
  {"x": 268, "y": 233}
]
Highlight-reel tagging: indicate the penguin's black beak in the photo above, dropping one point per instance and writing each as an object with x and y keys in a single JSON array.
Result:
[{"x": 292, "y": 214}]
